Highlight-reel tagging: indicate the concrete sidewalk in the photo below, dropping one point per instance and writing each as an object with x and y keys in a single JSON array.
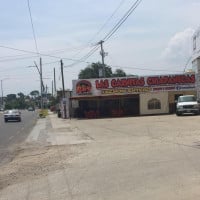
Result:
[{"x": 56, "y": 131}]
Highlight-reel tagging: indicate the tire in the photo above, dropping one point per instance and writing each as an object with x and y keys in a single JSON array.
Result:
[
  {"x": 5, "y": 120},
  {"x": 178, "y": 113}
]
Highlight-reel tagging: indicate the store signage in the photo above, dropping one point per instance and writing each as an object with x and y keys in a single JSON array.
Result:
[
  {"x": 83, "y": 87},
  {"x": 144, "y": 81},
  {"x": 171, "y": 80},
  {"x": 130, "y": 85},
  {"x": 126, "y": 91}
]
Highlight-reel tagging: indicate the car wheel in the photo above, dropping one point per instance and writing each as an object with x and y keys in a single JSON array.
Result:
[
  {"x": 19, "y": 120},
  {"x": 178, "y": 113},
  {"x": 5, "y": 120}
]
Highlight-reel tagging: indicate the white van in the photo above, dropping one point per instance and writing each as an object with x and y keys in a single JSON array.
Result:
[{"x": 187, "y": 104}]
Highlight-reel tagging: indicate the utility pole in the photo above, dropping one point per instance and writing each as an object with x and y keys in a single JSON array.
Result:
[
  {"x": 63, "y": 87},
  {"x": 102, "y": 53},
  {"x": 2, "y": 93},
  {"x": 55, "y": 81},
  {"x": 52, "y": 88},
  {"x": 41, "y": 83}
]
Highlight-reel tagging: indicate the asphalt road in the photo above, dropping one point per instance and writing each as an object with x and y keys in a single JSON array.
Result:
[{"x": 13, "y": 133}]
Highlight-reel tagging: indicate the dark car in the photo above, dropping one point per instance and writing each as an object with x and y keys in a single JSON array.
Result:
[{"x": 12, "y": 115}]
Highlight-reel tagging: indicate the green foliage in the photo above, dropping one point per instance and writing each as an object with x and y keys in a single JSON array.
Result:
[
  {"x": 21, "y": 101},
  {"x": 14, "y": 101},
  {"x": 92, "y": 71},
  {"x": 11, "y": 97},
  {"x": 119, "y": 73},
  {"x": 34, "y": 93}
]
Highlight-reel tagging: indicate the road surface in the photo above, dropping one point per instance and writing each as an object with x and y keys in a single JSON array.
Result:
[{"x": 13, "y": 133}]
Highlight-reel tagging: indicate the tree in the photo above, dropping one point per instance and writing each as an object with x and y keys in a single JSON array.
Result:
[
  {"x": 119, "y": 73},
  {"x": 92, "y": 71},
  {"x": 21, "y": 95},
  {"x": 11, "y": 97},
  {"x": 21, "y": 104},
  {"x": 34, "y": 93}
]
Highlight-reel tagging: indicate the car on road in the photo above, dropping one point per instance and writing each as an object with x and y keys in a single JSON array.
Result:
[
  {"x": 12, "y": 115},
  {"x": 31, "y": 109},
  {"x": 187, "y": 104}
]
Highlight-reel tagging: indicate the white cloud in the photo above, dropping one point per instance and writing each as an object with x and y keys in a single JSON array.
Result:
[{"x": 179, "y": 47}]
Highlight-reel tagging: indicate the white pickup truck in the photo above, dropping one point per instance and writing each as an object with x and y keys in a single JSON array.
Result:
[{"x": 187, "y": 104}]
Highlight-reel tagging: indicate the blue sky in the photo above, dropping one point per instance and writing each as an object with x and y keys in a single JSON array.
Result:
[{"x": 155, "y": 39}]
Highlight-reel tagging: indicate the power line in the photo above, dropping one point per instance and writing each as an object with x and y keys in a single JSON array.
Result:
[
  {"x": 146, "y": 69},
  {"x": 42, "y": 54},
  {"x": 101, "y": 28},
  {"x": 122, "y": 20},
  {"x": 139, "y": 68},
  {"x": 106, "y": 22},
  {"x": 14, "y": 59},
  {"x": 84, "y": 58},
  {"x": 33, "y": 30},
  {"x": 25, "y": 56},
  {"x": 115, "y": 28}
]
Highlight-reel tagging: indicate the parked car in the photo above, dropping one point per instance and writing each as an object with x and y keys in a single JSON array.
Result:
[
  {"x": 12, "y": 115},
  {"x": 187, "y": 104}
]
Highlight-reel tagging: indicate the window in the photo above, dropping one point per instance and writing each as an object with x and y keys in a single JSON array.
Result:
[{"x": 154, "y": 104}]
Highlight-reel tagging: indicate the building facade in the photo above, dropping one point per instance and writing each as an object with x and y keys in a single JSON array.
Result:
[{"x": 129, "y": 96}]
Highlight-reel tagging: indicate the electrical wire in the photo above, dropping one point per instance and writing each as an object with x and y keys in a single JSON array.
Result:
[
  {"x": 138, "y": 68},
  {"x": 122, "y": 20},
  {"x": 14, "y": 59},
  {"x": 146, "y": 69},
  {"x": 25, "y": 56},
  {"x": 106, "y": 22},
  {"x": 33, "y": 30},
  {"x": 98, "y": 32},
  {"x": 41, "y": 54},
  {"x": 84, "y": 58}
]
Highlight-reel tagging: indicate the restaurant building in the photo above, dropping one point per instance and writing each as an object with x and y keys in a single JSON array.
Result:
[{"x": 129, "y": 96}]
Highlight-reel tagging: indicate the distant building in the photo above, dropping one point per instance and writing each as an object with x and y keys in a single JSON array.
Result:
[{"x": 196, "y": 59}]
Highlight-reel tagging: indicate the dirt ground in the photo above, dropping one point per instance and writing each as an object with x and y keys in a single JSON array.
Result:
[{"x": 32, "y": 162}]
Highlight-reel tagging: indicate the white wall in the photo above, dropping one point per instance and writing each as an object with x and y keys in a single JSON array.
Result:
[{"x": 162, "y": 96}]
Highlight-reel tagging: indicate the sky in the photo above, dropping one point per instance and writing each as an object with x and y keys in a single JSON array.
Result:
[{"x": 155, "y": 39}]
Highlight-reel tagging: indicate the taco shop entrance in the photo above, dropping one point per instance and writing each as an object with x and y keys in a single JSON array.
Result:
[{"x": 110, "y": 106}]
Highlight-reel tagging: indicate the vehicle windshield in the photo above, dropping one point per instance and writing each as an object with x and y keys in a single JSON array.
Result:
[
  {"x": 186, "y": 98},
  {"x": 11, "y": 111}
]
